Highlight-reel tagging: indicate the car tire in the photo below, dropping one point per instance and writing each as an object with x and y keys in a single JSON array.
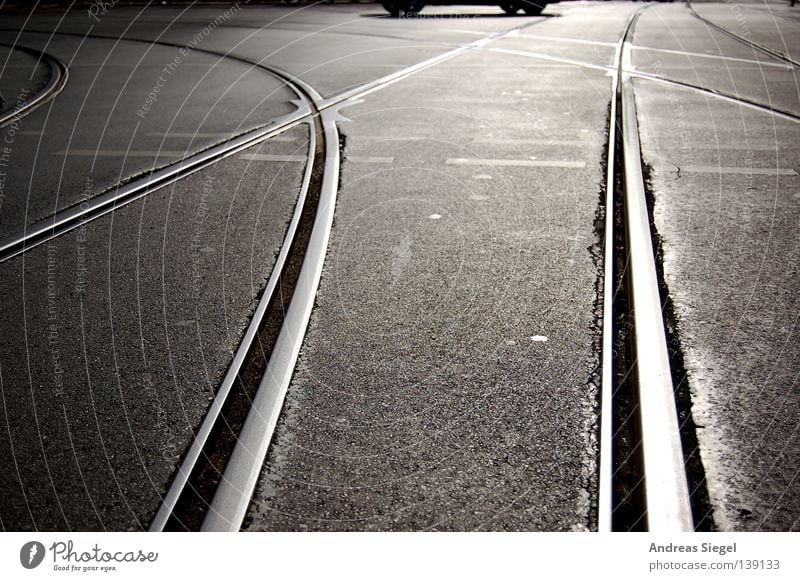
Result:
[
  {"x": 533, "y": 7},
  {"x": 510, "y": 8},
  {"x": 392, "y": 8},
  {"x": 413, "y": 7}
]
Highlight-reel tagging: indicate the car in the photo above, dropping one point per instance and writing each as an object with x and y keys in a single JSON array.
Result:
[{"x": 412, "y": 7}]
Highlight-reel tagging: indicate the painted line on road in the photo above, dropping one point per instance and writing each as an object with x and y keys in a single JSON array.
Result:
[
  {"x": 567, "y": 39},
  {"x": 741, "y": 101},
  {"x": 758, "y": 171},
  {"x": 711, "y": 56},
  {"x": 547, "y": 57},
  {"x": 776, "y": 148},
  {"x": 271, "y": 157},
  {"x": 174, "y": 154},
  {"x": 517, "y": 163},
  {"x": 547, "y": 142},
  {"x": 120, "y": 153},
  {"x": 222, "y": 135},
  {"x": 765, "y": 49},
  {"x": 368, "y": 159},
  {"x": 460, "y": 31}
]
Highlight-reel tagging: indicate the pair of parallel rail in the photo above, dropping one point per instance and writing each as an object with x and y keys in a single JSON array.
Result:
[{"x": 223, "y": 501}]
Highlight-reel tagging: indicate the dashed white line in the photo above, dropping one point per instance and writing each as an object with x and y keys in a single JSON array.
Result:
[
  {"x": 120, "y": 153},
  {"x": 567, "y": 142},
  {"x": 564, "y": 39},
  {"x": 517, "y": 163},
  {"x": 282, "y": 138},
  {"x": 759, "y": 171},
  {"x": 272, "y": 157},
  {"x": 711, "y": 56},
  {"x": 368, "y": 159}
]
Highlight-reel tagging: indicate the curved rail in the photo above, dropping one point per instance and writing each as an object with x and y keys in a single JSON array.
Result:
[
  {"x": 214, "y": 413},
  {"x": 758, "y": 46},
  {"x": 233, "y": 494},
  {"x": 612, "y": 70},
  {"x": 122, "y": 194},
  {"x": 59, "y": 74}
]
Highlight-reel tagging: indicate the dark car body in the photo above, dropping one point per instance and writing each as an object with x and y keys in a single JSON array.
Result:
[{"x": 409, "y": 7}]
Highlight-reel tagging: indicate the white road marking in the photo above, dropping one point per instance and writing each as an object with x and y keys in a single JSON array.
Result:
[
  {"x": 392, "y": 138},
  {"x": 179, "y": 154},
  {"x": 565, "y": 62},
  {"x": 282, "y": 138},
  {"x": 568, "y": 142},
  {"x": 517, "y": 163},
  {"x": 539, "y": 339},
  {"x": 474, "y": 32},
  {"x": 758, "y": 171},
  {"x": 564, "y": 39},
  {"x": 272, "y": 157},
  {"x": 738, "y": 147},
  {"x": 368, "y": 159},
  {"x": 711, "y": 56},
  {"x": 121, "y": 153},
  {"x": 435, "y": 216}
]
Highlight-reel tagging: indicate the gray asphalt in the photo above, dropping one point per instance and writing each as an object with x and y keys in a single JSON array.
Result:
[
  {"x": 745, "y": 72},
  {"x": 22, "y": 75},
  {"x": 105, "y": 128},
  {"x": 116, "y": 336},
  {"x": 731, "y": 264},
  {"x": 449, "y": 377}
]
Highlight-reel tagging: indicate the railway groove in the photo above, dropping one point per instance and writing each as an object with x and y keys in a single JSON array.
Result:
[
  {"x": 233, "y": 473},
  {"x": 666, "y": 500},
  {"x": 641, "y": 441},
  {"x": 59, "y": 75},
  {"x": 214, "y": 483},
  {"x": 756, "y": 45},
  {"x": 124, "y": 193},
  {"x": 275, "y": 332}
]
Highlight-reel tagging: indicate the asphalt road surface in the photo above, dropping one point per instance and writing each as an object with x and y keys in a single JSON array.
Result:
[{"x": 450, "y": 375}]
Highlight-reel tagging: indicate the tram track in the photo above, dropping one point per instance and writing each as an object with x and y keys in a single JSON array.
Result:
[
  {"x": 744, "y": 40},
  {"x": 217, "y": 477},
  {"x": 215, "y": 481},
  {"x": 650, "y": 474},
  {"x": 232, "y": 427},
  {"x": 59, "y": 75},
  {"x": 667, "y": 505},
  {"x": 656, "y": 439},
  {"x": 657, "y": 466},
  {"x": 124, "y": 193}
]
